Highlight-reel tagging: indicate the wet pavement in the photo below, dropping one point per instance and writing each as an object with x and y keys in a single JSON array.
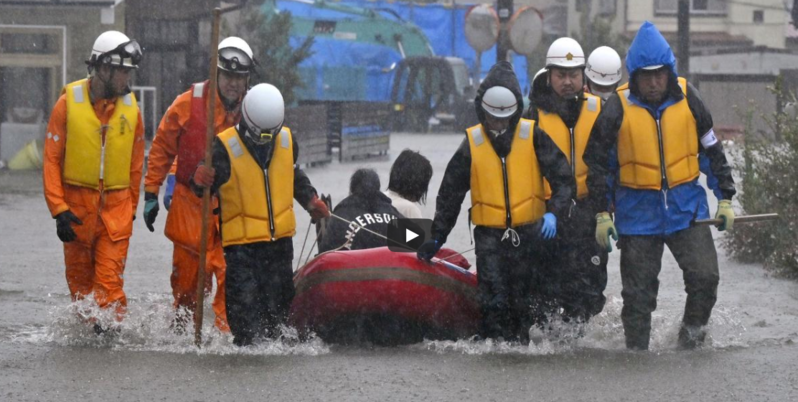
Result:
[{"x": 47, "y": 354}]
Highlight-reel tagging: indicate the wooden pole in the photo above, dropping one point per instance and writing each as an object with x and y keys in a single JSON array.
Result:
[{"x": 206, "y": 194}]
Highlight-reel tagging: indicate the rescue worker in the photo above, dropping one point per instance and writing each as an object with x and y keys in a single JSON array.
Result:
[
  {"x": 93, "y": 159},
  {"x": 365, "y": 207},
  {"x": 256, "y": 178},
  {"x": 656, "y": 129},
  {"x": 411, "y": 173},
  {"x": 503, "y": 161},
  {"x": 603, "y": 71},
  {"x": 576, "y": 266},
  {"x": 180, "y": 140}
]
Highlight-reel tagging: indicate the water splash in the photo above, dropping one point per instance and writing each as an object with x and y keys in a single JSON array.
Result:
[
  {"x": 148, "y": 326},
  {"x": 604, "y": 331}
]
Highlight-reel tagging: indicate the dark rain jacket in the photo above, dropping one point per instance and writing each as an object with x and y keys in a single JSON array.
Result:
[
  {"x": 373, "y": 211},
  {"x": 543, "y": 97},
  {"x": 653, "y": 212},
  {"x": 457, "y": 178},
  {"x": 580, "y": 222}
]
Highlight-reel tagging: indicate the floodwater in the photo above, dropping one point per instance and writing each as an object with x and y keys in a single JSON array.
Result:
[{"x": 46, "y": 353}]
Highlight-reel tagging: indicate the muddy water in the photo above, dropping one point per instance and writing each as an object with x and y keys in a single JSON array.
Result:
[{"x": 47, "y": 353}]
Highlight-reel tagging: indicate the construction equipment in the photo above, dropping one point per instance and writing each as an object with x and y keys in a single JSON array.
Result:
[
  {"x": 373, "y": 56},
  {"x": 432, "y": 92}
]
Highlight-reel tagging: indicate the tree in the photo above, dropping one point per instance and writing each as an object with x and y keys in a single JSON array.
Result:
[
  {"x": 598, "y": 32},
  {"x": 268, "y": 34}
]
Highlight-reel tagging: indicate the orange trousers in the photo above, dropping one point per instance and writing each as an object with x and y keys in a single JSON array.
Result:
[
  {"x": 97, "y": 267},
  {"x": 185, "y": 265}
]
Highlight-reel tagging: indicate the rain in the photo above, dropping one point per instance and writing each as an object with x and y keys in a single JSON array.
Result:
[{"x": 334, "y": 294}]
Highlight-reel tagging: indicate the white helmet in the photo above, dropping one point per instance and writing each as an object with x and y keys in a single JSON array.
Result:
[
  {"x": 604, "y": 66},
  {"x": 500, "y": 102},
  {"x": 566, "y": 53},
  {"x": 540, "y": 72},
  {"x": 263, "y": 110},
  {"x": 116, "y": 49},
  {"x": 235, "y": 56}
]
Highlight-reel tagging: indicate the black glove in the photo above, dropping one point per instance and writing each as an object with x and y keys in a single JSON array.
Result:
[
  {"x": 150, "y": 209},
  {"x": 63, "y": 226},
  {"x": 428, "y": 250}
]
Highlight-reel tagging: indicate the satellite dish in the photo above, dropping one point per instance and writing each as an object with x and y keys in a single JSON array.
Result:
[
  {"x": 526, "y": 30},
  {"x": 481, "y": 27}
]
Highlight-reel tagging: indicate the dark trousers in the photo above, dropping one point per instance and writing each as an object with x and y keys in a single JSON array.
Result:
[
  {"x": 509, "y": 282},
  {"x": 259, "y": 288},
  {"x": 641, "y": 261},
  {"x": 577, "y": 267}
]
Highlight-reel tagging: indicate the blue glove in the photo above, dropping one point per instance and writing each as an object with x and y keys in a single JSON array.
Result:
[
  {"x": 428, "y": 250},
  {"x": 549, "y": 229},
  {"x": 170, "y": 189},
  {"x": 150, "y": 209}
]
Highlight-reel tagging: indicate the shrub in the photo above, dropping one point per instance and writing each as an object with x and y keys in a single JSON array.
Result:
[{"x": 769, "y": 184}]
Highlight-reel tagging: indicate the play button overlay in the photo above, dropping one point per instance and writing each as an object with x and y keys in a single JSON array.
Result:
[{"x": 407, "y": 235}]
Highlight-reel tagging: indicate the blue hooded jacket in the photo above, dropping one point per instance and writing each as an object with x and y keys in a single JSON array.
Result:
[{"x": 658, "y": 212}]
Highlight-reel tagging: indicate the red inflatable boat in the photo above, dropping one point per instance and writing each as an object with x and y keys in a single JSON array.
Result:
[{"x": 384, "y": 297}]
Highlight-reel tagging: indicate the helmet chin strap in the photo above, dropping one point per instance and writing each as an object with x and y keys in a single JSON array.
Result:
[
  {"x": 230, "y": 105},
  {"x": 108, "y": 89},
  {"x": 497, "y": 133}
]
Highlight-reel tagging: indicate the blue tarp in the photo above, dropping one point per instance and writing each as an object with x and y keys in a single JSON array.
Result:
[{"x": 361, "y": 65}]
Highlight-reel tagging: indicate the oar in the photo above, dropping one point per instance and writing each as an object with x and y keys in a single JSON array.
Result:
[{"x": 740, "y": 219}]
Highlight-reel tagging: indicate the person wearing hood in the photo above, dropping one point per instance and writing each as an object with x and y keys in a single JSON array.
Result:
[
  {"x": 576, "y": 266},
  {"x": 255, "y": 176},
  {"x": 644, "y": 155},
  {"x": 503, "y": 161},
  {"x": 365, "y": 207}
]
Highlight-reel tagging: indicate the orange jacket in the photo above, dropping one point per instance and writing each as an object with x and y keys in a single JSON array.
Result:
[
  {"x": 117, "y": 207},
  {"x": 173, "y": 124}
]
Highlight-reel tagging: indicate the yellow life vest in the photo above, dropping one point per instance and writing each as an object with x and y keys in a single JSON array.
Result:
[
  {"x": 553, "y": 125},
  {"x": 525, "y": 182},
  {"x": 639, "y": 153},
  {"x": 88, "y": 160},
  {"x": 254, "y": 210}
]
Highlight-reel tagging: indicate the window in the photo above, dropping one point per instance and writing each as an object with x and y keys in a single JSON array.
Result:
[
  {"x": 700, "y": 5},
  {"x": 759, "y": 16},
  {"x": 166, "y": 32},
  {"x": 697, "y": 7},
  {"x": 601, "y": 7},
  {"x": 33, "y": 43},
  {"x": 606, "y": 7}
]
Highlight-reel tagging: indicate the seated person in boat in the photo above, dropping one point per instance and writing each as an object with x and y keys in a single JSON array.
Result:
[
  {"x": 365, "y": 208},
  {"x": 407, "y": 187}
]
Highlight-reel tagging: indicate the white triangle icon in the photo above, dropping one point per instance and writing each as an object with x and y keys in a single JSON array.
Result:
[{"x": 409, "y": 235}]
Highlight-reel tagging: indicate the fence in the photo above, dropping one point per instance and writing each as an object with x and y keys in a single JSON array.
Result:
[{"x": 148, "y": 103}]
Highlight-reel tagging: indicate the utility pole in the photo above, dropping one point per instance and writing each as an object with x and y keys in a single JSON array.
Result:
[
  {"x": 683, "y": 17},
  {"x": 505, "y": 10}
]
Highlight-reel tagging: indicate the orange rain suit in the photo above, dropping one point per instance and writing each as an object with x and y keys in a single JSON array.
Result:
[
  {"x": 184, "y": 219},
  {"x": 95, "y": 260}
]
